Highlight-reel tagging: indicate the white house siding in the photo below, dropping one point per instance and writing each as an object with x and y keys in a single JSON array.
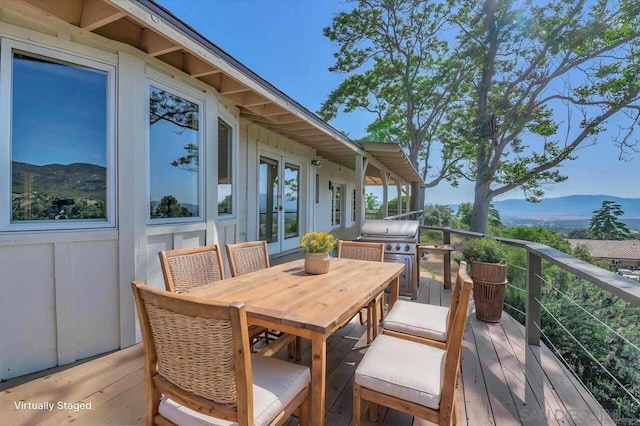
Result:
[
  {"x": 338, "y": 175},
  {"x": 66, "y": 294}
]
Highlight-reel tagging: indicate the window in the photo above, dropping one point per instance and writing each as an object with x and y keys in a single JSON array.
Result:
[
  {"x": 336, "y": 204},
  {"x": 317, "y": 188},
  {"x": 225, "y": 168},
  {"x": 58, "y": 131},
  {"x": 175, "y": 142}
]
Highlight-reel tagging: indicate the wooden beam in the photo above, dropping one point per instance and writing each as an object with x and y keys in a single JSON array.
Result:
[
  {"x": 198, "y": 68},
  {"x": 123, "y": 30},
  {"x": 96, "y": 14},
  {"x": 155, "y": 45},
  {"x": 229, "y": 85},
  {"x": 68, "y": 10},
  {"x": 247, "y": 99}
]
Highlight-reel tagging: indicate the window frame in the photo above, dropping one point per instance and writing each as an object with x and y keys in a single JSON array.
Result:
[
  {"x": 188, "y": 93},
  {"x": 232, "y": 122},
  {"x": 7, "y": 47}
]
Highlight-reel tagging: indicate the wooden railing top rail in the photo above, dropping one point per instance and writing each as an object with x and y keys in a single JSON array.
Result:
[
  {"x": 417, "y": 214},
  {"x": 622, "y": 287}
]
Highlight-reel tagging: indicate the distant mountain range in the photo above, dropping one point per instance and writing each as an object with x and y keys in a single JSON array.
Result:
[
  {"x": 573, "y": 211},
  {"x": 572, "y": 205}
]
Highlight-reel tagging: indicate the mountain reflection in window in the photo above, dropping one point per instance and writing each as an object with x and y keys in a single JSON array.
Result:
[
  {"x": 58, "y": 140},
  {"x": 174, "y": 157}
]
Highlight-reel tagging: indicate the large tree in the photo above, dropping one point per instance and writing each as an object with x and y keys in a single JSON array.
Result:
[
  {"x": 551, "y": 77},
  {"x": 605, "y": 225},
  {"x": 400, "y": 69}
]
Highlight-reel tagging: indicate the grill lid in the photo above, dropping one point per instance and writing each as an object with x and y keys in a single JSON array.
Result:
[{"x": 391, "y": 228}]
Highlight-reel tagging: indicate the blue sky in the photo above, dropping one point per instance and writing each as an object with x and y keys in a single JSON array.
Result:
[{"x": 282, "y": 41}]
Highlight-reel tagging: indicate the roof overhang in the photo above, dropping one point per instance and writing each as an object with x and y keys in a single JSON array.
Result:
[
  {"x": 149, "y": 27},
  {"x": 393, "y": 158}
]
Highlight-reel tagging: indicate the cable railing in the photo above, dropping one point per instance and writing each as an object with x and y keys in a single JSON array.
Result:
[{"x": 548, "y": 311}]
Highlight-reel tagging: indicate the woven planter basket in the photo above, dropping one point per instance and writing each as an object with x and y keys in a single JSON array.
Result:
[
  {"x": 489, "y": 285},
  {"x": 489, "y": 272}
]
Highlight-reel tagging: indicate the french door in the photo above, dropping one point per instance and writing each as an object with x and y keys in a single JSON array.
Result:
[{"x": 279, "y": 202}]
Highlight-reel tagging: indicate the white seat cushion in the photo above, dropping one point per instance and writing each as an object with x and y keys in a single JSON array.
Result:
[
  {"x": 275, "y": 384},
  {"x": 418, "y": 319},
  {"x": 406, "y": 370}
]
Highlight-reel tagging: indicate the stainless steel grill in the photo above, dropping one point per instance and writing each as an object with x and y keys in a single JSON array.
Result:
[{"x": 400, "y": 238}]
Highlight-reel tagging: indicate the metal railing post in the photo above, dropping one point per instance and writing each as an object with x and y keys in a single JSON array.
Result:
[{"x": 534, "y": 294}]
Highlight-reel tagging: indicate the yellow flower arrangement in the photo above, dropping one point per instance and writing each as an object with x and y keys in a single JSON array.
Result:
[{"x": 317, "y": 242}]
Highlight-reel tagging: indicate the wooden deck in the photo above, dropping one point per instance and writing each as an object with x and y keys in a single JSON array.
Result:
[{"x": 503, "y": 381}]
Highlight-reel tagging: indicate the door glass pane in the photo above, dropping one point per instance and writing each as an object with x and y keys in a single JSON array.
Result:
[
  {"x": 268, "y": 200},
  {"x": 291, "y": 200},
  {"x": 58, "y": 141}
]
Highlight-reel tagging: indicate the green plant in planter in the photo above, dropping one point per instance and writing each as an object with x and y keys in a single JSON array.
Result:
[{"x": 486, "y": 250}]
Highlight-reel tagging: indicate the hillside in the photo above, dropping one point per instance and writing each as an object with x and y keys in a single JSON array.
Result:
[{"x": 42, "y": 192}]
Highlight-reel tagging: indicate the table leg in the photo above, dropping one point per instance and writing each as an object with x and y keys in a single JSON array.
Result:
[
  {"x": 394, "y": 292},
  {"x": 318, "y": 378},
  {"x": 447, "y": 269}
]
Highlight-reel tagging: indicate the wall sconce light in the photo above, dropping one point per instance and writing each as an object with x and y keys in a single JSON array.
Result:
[
  {"x": 315, "y": 163},
  {"x": 330, "y": 186}
]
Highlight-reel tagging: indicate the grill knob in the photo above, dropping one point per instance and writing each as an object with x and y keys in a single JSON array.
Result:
[
  {"x": 407, "y": 248},
  {"x": 389, "y": 247},
  {"x": 397, "y": 247}
]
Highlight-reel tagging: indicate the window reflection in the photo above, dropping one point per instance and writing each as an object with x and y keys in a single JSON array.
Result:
[
  {"x": 225, "y": 167},
  {"x": 174, "y": 157},
  {"x": 58, "y": 140}
]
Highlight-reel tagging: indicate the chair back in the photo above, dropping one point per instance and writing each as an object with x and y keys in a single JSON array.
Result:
[
  {"x": 361, "y": 250},
  {"x": 196, "y": 353},
  {"x": 184, "y": 269},
  {"x": 247, "y": 257},
  {"x": 454, "y": 339},
  {"x": 455, "y": 297}
]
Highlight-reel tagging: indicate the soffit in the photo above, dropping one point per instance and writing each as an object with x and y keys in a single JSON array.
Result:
[{"x": 392, "y": 157}]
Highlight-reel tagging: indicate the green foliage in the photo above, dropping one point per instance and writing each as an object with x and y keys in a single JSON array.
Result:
[
  {"x": 438, "y": 215},
  {"x": 371, "y": 201},
  {"x": 485, "y": 250},
  {"x": 539, "y": 235},
  {"x": 579, "y": 234},
  {"x": 169, "y": 207},
  {"x": 605, "y": 224},
  {"x": 400, "y": 68}
]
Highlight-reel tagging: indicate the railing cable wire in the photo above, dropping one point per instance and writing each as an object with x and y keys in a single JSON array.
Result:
[
  {"x": 591, "y": 315},
  {"x": 615, "y": 379},
  {"x": 515, "y": 309}
]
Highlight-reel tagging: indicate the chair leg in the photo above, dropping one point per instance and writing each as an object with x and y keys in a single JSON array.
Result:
[
  {"x": 291, "y": 349},
  {"x": 298, "y": 348},
  {"x": 370, "y": 335},
  {"x": 357, "y": 405},
  {"x": 381, "y": 308},
  {"x": 373, "y": 320},
  {"x": 373, "y": 411},
  {"x": 303, "y": 412}
]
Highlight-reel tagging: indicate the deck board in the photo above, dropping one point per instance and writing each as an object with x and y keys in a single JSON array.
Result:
[{"x": 502, "y": 378}]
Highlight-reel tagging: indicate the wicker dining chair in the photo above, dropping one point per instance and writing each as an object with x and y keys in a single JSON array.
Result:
[
  {"x": 372, "y": 252},
  {"x": 187, "y": 268},
  {"x": 247, "y": 257},
  {"x": 421, "y": 322},
  {"x": 412, "y": 377},
  {"x": 253, "y": 256},
  {"x": 198, "y": 368}
]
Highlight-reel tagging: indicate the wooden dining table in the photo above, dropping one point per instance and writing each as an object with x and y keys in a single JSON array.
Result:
[{"x": 287, "y": 299}]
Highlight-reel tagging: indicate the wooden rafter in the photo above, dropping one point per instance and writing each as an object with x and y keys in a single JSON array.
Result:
[
  {"x": 175, "y": 59},
  {"x": 198, "y": 68},
  {"x": 68, "y": 10},
  {"x": 154, "y": 44},
  {"x": 229, "y": 85},
  {"x": 96, "y": 14}
]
